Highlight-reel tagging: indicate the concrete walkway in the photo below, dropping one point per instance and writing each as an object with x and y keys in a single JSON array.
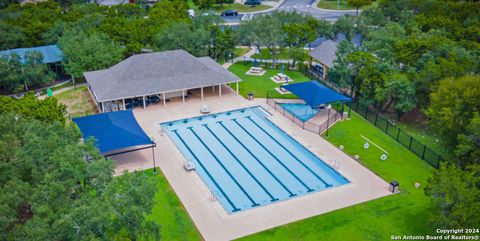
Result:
[{"x": 56, "y": 92}]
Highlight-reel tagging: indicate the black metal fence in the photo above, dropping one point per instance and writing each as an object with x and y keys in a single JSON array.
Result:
[
  {"x": 334, "y": 115},
  {"x": 408, "y": 141},
  {"x": 384, "y": 124}
]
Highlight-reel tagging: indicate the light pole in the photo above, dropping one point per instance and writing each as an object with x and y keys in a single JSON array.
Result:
[
  {"x": 153, "y": 155},
  {"x": 328, "y": 120}
]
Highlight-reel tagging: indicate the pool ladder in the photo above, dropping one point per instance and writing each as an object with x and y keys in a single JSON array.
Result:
[{"x": 214, "y": 196}]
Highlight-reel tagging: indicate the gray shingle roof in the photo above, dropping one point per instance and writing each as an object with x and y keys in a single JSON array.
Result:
[
  {"x": 153, "y": 73},
  {"x": 325, "y": 53}
]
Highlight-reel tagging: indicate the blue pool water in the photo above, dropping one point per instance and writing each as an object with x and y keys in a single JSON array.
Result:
[
  {"x": 303, "y": 112},
  {"x": 247, "y": 161}
]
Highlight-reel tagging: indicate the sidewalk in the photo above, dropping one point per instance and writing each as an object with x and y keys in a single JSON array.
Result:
[{"x": 56, "y": 92}]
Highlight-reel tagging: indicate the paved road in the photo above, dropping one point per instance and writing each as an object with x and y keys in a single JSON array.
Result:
[
  {"x": 302, "y": 6},
  {"x": 305, "y": 6}
]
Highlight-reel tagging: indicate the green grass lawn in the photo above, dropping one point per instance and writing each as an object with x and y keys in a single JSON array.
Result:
[
  {"x": 78, "y": 101},
  {"x": 333, "y": 4},
  {"x": 170, "y": 213},
  {"x": 259, "y": 85},
  {"x": 406, "y": 213},
  {"x": 240, "y": 7},
  {"x": 426, "y": 137}
]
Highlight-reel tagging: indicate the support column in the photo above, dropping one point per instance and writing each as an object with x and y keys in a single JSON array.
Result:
[
  {"x": 237, "y": 86},
  {"x": 164, "y": 100},
  {"x": 183, "y": 96},
  {"x": 324, "y": 75},
  {"x": 201, "y": 92},
  {"x": 220, "y": 90},
  {"x": 123, "y": 102},
  {"x": 213, "y": 88},
  {"x": 144, "y": 104}
]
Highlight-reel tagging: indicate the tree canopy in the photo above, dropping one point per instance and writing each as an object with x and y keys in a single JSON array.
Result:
[{"x": 53, "y": 187}]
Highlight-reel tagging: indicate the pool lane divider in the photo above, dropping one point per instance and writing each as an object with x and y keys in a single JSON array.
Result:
[
  {"x": 291, "y": 194},
  {"x": 289, "y": 152},
  {"x": 275, "y": 157},
  {"x": 254, "y": 204},
  {"x": 273, "y": 199},
  {"x": 235, "y": 209}
]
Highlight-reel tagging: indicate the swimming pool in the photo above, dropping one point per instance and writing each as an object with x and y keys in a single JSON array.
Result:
[
  {"x": 247, "y": 161},
  {"x": 302, "y": 111}
]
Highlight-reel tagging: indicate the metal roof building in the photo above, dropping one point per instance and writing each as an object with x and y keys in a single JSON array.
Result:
[
  {"x": 51, "y": 53},
  {"x": 156, "y": 73}
]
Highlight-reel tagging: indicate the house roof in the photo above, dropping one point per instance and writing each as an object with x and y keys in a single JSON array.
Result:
[
  {"x": 325, "y": 52},
  {"x": 51, "y": 53},
  {"x": 154, "y": 73}
]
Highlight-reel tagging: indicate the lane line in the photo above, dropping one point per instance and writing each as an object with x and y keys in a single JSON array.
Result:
[
  {"x": 289, "y": 152},
  {"x": 273, "y": 199},
  {"x": 291, "y": 194},
  {"x": 254, "y": 204},
  {"x": 235, "y": 209},
  {"x": 275, "y": 157}
]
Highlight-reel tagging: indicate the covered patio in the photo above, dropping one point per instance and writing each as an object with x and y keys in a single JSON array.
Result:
[
  {"x": 152, "y": 78},
  {"x": 115, "y": 133}
]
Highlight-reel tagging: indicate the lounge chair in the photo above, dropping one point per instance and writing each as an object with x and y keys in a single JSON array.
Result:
[{"x": 205, "y": 109}]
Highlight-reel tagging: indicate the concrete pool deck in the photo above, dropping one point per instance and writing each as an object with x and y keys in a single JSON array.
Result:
[{"x": 213, "y": 222}]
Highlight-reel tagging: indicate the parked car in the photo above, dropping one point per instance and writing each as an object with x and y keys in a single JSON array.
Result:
[
  {"x": 230, "y": 13},
  {"x": 252, "y": 2}
]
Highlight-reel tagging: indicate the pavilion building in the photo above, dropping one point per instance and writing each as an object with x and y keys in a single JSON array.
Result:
[{"x": 162, "y": 75}]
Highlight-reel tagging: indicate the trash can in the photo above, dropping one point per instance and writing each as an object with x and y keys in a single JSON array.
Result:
[
  {"x": 250, "y": 96},
  {"x": 394, "y": 186}
]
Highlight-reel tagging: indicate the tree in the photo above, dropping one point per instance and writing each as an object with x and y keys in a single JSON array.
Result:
[
  {"x": 358, "y": 4},
  {"x": 453, "y": 106},
  {"x": 29, "y": 106},
  {"x": 456, "y": 194},
  {"x": 12, "y": 36},
  {"x": 10, "y": 72},
  {"x": 296, "y": 55},
  {"x": 54, "y": 187},
  {"x": 88, "y": 52},
  {"x": 345, "y": 25},
  {"x": 399, "y": 90},
  {"x": 361, "y": 65},
  {"x": 34, "y": 71},
  {"x": 468, "y": 149}
]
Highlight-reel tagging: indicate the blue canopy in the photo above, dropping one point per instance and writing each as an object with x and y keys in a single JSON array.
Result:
[
  {"x": 315, "y": 94},
  {"x": 113, "y": 130},
  {"x": 51, "y": 53}
]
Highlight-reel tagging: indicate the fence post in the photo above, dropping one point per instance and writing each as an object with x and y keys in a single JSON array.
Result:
[
  {"x": 398, "y": 134},
  {"x": 376, "y": 117},
  {"x": 423, "y": 154},
  {"x": 386, "y": 128},
  {"x": 410, "y": 145}
]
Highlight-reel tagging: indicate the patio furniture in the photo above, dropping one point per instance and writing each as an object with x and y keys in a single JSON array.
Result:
[
  {"x": 205, "y": 109},
  {"x": 188, "y": 166}
]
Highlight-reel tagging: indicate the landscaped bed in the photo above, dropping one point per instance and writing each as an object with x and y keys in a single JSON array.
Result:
[
  {"x": 406, "y": 213},
  {"x": 259, "y": 85}
]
